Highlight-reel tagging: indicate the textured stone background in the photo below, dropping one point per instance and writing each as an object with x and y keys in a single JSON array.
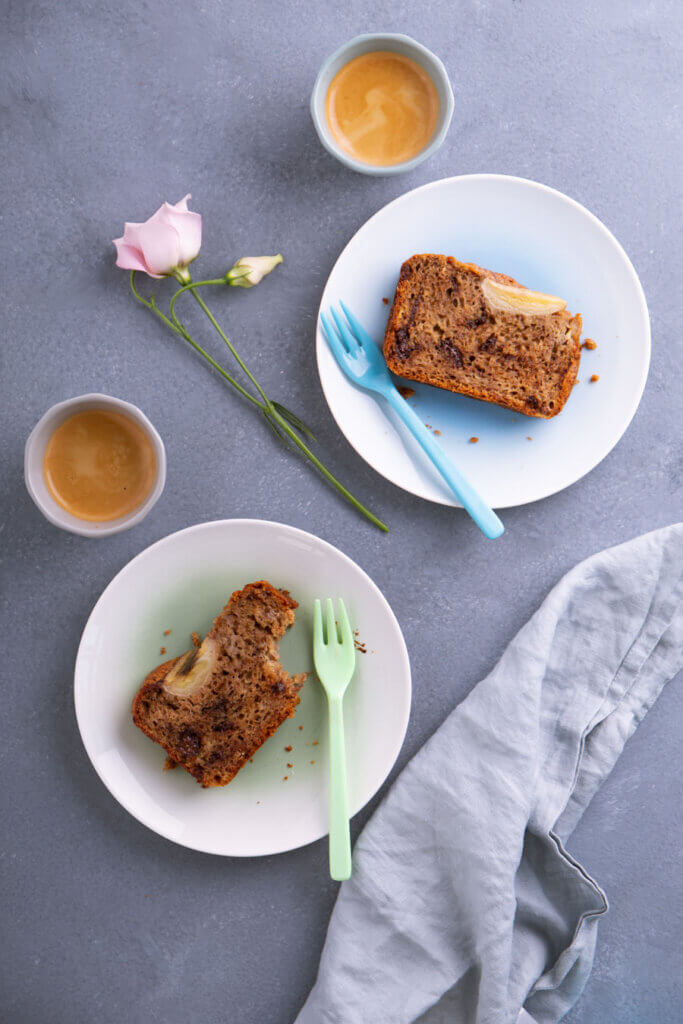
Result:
[{"x": 109, "y": 107}]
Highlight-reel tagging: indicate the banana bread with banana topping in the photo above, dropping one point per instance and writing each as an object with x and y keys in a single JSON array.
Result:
[
  {"x": 213, "y": 707},
  {"x": 469, "y": 330}
]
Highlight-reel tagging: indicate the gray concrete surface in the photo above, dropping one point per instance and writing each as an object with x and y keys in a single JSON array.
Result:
[{"x": 107, "y": 109}]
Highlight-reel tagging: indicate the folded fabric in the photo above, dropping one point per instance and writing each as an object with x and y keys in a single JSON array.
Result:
[{"x": 464, "y": 905}]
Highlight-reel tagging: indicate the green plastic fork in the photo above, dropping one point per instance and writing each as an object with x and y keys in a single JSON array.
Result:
[{"x": 334, "y": 657}]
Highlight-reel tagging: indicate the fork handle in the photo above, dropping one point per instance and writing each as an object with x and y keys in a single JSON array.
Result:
[
  {"x": 340, "y": 837},
  {"x": 484, "y": 516}
]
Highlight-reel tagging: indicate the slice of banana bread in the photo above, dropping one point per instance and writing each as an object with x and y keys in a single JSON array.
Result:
[
  {"x": 212, "y": 707},
  {"x": 469, "y": 330}
]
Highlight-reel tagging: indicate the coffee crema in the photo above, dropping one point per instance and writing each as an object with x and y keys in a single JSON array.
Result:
[
  {"x": 382, "y": 108},
  {"x": 99, "y": 465}
]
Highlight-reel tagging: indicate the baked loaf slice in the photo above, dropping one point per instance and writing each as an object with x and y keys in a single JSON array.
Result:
[
  {"x": 212, "y": 707},
  {"x": 469, "y": 330}
]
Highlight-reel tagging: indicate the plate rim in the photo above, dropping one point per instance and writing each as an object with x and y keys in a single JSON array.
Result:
[
  {"x": 296, "y": 531},
  {"x": 445, "y": 499}
]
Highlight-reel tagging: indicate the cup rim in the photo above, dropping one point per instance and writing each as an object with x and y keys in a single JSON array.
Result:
[
  {"x": 439, "y": 73},
  {"x": 33, "y": 465}
]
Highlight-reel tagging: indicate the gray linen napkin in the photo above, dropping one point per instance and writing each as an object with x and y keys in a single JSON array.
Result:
[{"x": 464, "y": 899}]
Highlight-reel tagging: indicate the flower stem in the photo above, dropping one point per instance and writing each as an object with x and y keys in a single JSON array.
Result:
[
  {"x": 282, "y": 423},
  {"x": 179, "y": 329},
  {"x": 279, "y": 423},
  {"x": 191, "y": 286}
]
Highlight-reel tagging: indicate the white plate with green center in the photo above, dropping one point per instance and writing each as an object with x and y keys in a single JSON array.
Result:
[
  {"x": 180, "y": 584},
  {"x": 549, "y": 243}
]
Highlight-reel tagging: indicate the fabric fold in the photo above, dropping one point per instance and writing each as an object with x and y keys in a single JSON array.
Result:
[{"x": 464, "y": 904}]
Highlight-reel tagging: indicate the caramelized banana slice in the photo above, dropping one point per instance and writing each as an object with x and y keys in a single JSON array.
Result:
[
  {"x": 192, "y": 670},
  {"x": 508, "y": 299}
]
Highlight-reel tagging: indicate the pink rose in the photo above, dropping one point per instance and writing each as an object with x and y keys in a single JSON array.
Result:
[{"x": 167, "y": 242}]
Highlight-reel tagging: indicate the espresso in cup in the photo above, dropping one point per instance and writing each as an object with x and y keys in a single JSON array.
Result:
[
  {"x": 99, "y": 465},
  {"x": 382, "y": 108}
]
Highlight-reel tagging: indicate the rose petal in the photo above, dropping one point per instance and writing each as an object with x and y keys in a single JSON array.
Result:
[
  {"x": 158, "y": 242},
  {"x": 189, "y": 228},
  {"x": 130, "y": 229},
  {"x": 182, "y": 203},
  {"x": 128, "y": 257}
]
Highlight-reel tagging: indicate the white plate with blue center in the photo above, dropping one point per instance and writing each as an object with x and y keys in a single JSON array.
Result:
[
  {"x": 278, "y": 801},
  {"x": 547, "y": 242}
]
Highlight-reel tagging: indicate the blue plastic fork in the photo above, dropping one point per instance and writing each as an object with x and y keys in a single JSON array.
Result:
[{"x": 363, "y": 363}]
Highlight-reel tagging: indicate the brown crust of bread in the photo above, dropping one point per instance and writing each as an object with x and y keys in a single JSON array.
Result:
[
  {"x": 152, "y": 686},
  {"x": 397, "y": 321},
  {"x": 283, "y": 596}
]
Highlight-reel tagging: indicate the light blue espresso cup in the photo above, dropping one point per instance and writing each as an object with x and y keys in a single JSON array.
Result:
[{"x": 395, "y": 43}]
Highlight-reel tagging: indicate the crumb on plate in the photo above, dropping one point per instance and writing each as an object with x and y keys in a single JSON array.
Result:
[
  {"x": 473, "y": 440},
  {"x": 594, "y": 377}
]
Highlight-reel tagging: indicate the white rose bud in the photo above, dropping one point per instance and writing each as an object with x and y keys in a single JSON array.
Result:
[{"x": 251, "y": 269}]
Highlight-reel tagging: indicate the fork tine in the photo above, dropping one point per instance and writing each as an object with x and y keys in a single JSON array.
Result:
[
  {"x": 345, "y": 626},
  {"x": 361, "y": 334},
  {"x": 318, "y": 639},
  {"x": 346, "y": 334},
  {"x": 331, "y": 624},
  {"x": 334, "y": 342}
]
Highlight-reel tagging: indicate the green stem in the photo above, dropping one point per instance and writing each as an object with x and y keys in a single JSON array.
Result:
[
  {"x": 186, "y": 287},
  {"x": 282, "y": 423},
  {"x": 179, "y": 329},
  {"x": 191, "y": 286},
  {"x": 266, "y": 407}
]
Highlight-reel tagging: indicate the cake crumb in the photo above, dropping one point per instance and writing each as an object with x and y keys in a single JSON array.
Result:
[
  {"x": 473, "y": 440},
  {"x": 167, "y": 632},
  {"x": 405, "y": 391},
  {"x": 301, "y": 727},
  {"x": 285, "y": 778},
  {"x": 594, "y": 377},
  {"x": 196, "y": 641},
  {"x": 438, "y": 433},
  {"x": 288, "y": 747},
  {"x": 289, "y": 765},
  {"x": 385, "y": 301},
  {"x": 529, "y": 438},
  {"x": 162, "y": 650},
  {"x": 315, "y": 743},
  {"x": 589, "y": 344},
  {"x": 358, "y": 643},
  {"x": 312, "y": 762}
]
